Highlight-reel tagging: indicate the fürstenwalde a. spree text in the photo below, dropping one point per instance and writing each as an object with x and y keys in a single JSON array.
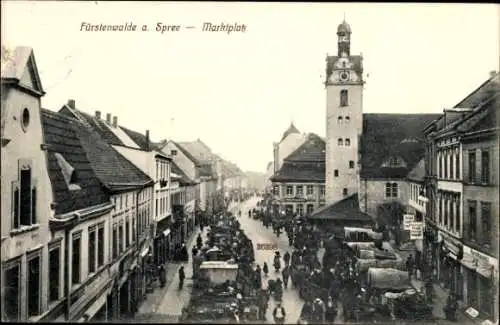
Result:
[{"x": 222, "y": 27}]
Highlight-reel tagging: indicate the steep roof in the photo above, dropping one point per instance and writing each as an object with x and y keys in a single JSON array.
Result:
[
  {"x": 185, "y": 180},
  {"x": 60, "y": 137},
  {"x": 417, "y": 174},
  {"x": 114, "y": 170},
  {"x": 346, "y": 209},
  {"x": 186, "y": 152},
  {"x": 392, "y": 135},
  {"x": 291, "y": 129},
  {"x": 303, "y": 172},
  {"x": 140, "y": 139},
  {"x": 198, "y": 150},
  {"x": 313, "y": 149}
]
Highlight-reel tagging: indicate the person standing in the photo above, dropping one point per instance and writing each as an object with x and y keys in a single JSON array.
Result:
[
  {"x": 279, "y": 314},
  {"x": 182, "y": 276},
  {"x": 286, "y": 258},
  {"x": 286, "y": 275},
  {"x": 410, "y": 266},
  {"x": 331, "y": 310}
]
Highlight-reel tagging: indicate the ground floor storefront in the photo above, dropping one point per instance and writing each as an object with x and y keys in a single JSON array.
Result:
[{"x": 449, "y": 267}]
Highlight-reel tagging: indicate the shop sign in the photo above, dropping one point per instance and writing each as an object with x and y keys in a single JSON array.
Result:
[
  {"x": 417, "y": 230},
  {"x": 451, "y": 244},
  {"x": 407, "y": 221}
]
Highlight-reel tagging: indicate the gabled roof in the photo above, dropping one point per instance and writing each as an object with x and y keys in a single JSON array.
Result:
[
  {"x": 385, "y": 135},
  {"x": 186, "y": 152},
  {"x": 417, "y": 174},
  {"x": 302, "y": 172},
  {"x": 184, "y": 179},
  {"x": 14, "y": 65},
  {"x": 291, "y": 129},
  {"x": 313, "y": 150},
  {"x": 60, "y": 137},
  {"x": 200, "y": 151},
  {"x": 115, "y": 171},
  {"x": 346, "y": 209},
  {"x": 356, "y": 60},
  {"x": 140, "y": 139}
]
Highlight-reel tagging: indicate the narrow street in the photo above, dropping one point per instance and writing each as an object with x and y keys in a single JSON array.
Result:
[{"x": 260, "y": 235}]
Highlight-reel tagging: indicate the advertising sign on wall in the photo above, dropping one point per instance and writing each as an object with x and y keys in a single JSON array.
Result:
[
  {"x": 417, "y": 230},
  {"x": 407, "y": 221}
]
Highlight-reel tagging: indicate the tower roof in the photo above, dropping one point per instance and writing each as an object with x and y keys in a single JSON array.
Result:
[
  {"x": 291, "y": 129},
  {"x": 344, "y": 28}
]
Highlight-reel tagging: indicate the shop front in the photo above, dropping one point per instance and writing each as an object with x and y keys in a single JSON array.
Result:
[
  {"x": 481, "y": 284},
  {"x": 162, "y": 241},
  {"x": 449, "y": 273},
  {"x": 430, "y": 251}
]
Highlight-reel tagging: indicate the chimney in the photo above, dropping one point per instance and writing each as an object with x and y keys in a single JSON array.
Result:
[
  {"x": 108, "y": 118},
  {"x": 492, "y": 73},
  {"x": 71, "y": 103},
  {"x": 98, "y": 115},
  {"x": 115, "y": 121},
  {"x": 147, "y": 140}
]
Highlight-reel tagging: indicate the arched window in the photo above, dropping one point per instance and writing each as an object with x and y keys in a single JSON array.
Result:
[
  {"x": 336, "y": 173},
  {"x": 340, "y": 142},
  {"x": 347, "y": 118},
  {"x": 347, "y": 142},
  {"x": 351, "y": 163},
  {"x": 343, "y": 97},
  {"x": 339, "y": 119},
  {"x": 344, "y": 192}
]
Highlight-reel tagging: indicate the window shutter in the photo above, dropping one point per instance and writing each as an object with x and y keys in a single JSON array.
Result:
[
  {"x": 33, "y": 202},
  {"x": 15, "y": 204}
]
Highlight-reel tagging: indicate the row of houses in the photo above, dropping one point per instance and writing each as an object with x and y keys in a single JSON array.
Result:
[
  {"x": 372, "y": 169},
  {"x": 90, "y": 208}
]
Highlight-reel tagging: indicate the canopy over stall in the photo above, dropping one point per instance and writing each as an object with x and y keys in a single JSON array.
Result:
[{"x": 388, "y": 279}]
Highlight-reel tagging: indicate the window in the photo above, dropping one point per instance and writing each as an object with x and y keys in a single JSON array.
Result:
[
  {"x": 457, "y": 165},
  {"x": 156, "y": 207},
  {"x": 92, "y": 249},
  {"x": 485, "y": 167},
  {"x": 446, "y": 166},
  {"x": 310, "y": 190},
  {"x": 120, "y": 238},
  {"x": 391, "y": 190},
  {"x": 486, "y": 293},
  {"x": 24, "y": 197},
  {"x": 446, "y": 208},
  {"x": 33, "y": 289},
  {"x": 300, "y": 190},
  {"x": 173, "y": 152},
  {"x": 75, "y": 258},
  {"x": 126, "y": 200},
  {"x": 100, "y": 245},
  {"x": 472, "y": 220},
  {"x": 336, "y": 173},
  {"x": 11, "y": 287},
  {"x": 440, "y": 166},
  {"x": 440, "y": 203},
  {"x": 115, "y": 241},
  {"x": 127, "y": 233},
  {"x": 457, "y": 215},
  {"x": 134, "y": 230},
  {"x": 472, "y": 166},
  {"x": 289, "y": 190},
  {"x": 347, "y": 118},
  {"x": 351, "y": 163},
  {"x": 339, "y": 119},
  {"x": 340, "y": 142},
  {"x": 322, "y": 190},
  {"x": 310, "y": 208},
  {"x": 486, "y": 224},
  {"x": 25, "y": 119},
  {"x": 343, "y": 98},
  {"x": 344, "y": 191},
  {"x": 54, "y": 273},
  {"x": 347, "y": 142},
  {"x": 394, "y": 162},
  {"x": 452, "y": 214},
  {"x": 276, "y": 190},
  {"x": 300, "y": 209}
]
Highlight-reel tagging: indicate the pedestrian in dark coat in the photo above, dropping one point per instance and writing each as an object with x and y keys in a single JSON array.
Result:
[
  {"x": 410, "y": 265},
  {"x": 265, "y": 269},
  {"x": 199, "y": 241},
  {"x": 286, "y": 258},
  {"x": 182, "y": 276},
  {"x": 194, "y": 251},
  {"x": 286, "y": 275},
  {"x": 163, "y": 275}
]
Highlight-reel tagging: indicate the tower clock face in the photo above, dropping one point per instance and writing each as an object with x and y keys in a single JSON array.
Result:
[
  {"x": 343, "y": 38},
  {"x": 344, "y": 76}
]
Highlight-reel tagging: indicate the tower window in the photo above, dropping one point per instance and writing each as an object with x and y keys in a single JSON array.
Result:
[
  {"x": 343, "y": 97},
  {"x": 336, "y": 173},
  {"x": 340, "y": 142},
  {"x": 351, "y": 163},
  {"x": 340, "y": 119},
  {"x": 347, "y": 118},
  {"x": 344, "y": 192},
  {"x": 347, "y": 142}
]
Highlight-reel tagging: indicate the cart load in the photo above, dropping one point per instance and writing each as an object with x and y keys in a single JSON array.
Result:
[
  {"x": 388, "y": 279},
  {"x": 352, "y": 234}
]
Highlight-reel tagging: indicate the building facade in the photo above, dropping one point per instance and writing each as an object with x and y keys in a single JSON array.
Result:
[
  {"x": 289, "y": 142},
  {"x": 298, "y": 186},
  {"x": 344, "y": 118},
  {"x": 461, "y": 237}
]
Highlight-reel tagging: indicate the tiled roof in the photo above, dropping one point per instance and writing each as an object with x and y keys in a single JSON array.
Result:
[
  {"x": 186, "y": 152},
  {"x": 312, "y": 150},
  {"x": 139, "y": 139},
  {"x": 60, "y": 137},
  {"x": 206, "y": 170},
  {"x": 487, "y": 119},
  {"x": 304, "y": 172},
  {"x": 417, "y": 174},
  {"x": 177, "y": 170},
  {"x": 97, "y": 125},
  {"x": 114, "y": 170},
  {"x": 198, "y": 150},
  {"x": 481, "y": 93},
  {"x": 346, "y": 209},
  {"x": 291, "y": 129},
  {"x": 385, "y": 135}
]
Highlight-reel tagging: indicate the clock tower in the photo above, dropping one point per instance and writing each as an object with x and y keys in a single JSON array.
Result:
[{"x": 344, "y": 118}]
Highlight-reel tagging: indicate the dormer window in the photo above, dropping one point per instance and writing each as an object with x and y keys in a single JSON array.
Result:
[
  {"x": 173, "y": 152},
  {"x": 69, "y": 172},
  {"x": 394, "y": 162}
]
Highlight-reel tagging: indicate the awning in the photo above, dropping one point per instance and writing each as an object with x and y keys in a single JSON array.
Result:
[
  {"x": 166, "y": 232},
  {"x": 94, "y": 308}
]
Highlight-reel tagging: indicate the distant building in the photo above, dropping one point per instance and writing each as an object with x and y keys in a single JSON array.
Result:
[
  {"x": 299, "y": 184},
  {"x": 289, "y": 142}
]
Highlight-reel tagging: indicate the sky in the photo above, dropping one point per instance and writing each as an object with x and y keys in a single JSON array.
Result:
[{"x": 239, "y": 92}]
